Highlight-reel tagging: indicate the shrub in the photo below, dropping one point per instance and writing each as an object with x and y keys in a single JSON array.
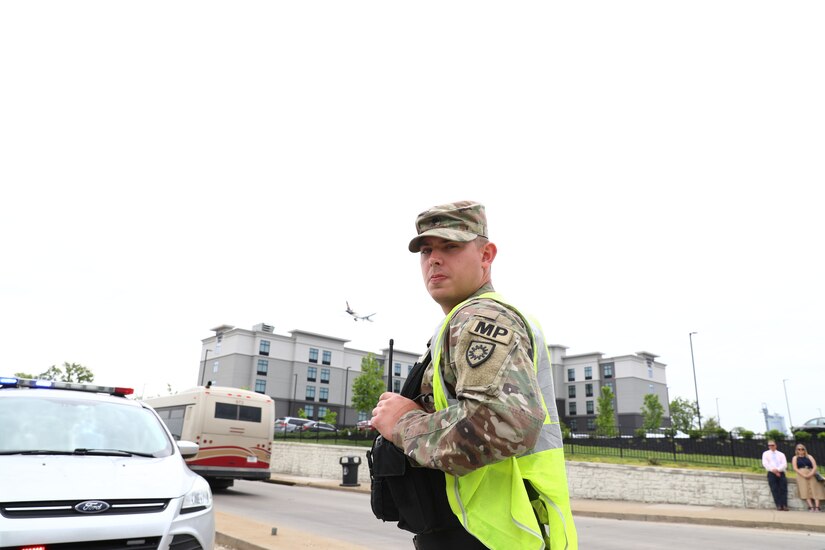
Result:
[
  {"x": 641, "y": 433},
  {"x": 776, "y": 435},
  {"x": 821, "y": 436},
  {"x": 802, "y": 435},
  {"x": 746, "y": 434},
  {"x": 695, "y": 434}
]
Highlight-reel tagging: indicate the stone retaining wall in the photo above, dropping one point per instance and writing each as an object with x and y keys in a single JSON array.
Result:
[{"x": 587, "y": 480}]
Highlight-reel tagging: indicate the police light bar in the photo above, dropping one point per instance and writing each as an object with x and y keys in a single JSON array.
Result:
[{"x": 12, "y": 382}]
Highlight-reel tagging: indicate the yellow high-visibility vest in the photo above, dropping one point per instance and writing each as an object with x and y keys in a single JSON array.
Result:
[{"x": 492, "y": 502}]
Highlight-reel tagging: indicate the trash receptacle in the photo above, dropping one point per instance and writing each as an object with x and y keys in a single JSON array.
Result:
[{"x": 350, "y": 466}]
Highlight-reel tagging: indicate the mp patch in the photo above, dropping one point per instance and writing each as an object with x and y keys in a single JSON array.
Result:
[
  {"x": 494, "y": 332},
  {"x": 478, "y": 352}
]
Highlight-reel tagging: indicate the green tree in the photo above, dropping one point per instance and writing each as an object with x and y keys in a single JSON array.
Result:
[
  {"x": 302, "y": 413},
  {"x": 652, "y": 413},
  {"x": 71, "y": 372},
  {"x": 24, "y": 375},
  {"x": 683, "y": 414},
  {"x": 605, "y": 419},
  {"x": 369, "y": 385},
  {"x": 711, "y": 427},
  {"x": 331, "y": 417}
]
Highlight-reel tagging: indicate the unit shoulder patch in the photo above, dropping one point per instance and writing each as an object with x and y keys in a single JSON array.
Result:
[{"x": 479, "y": 351}]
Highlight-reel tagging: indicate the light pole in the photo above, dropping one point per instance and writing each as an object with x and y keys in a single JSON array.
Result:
[
  {"x": 695, "y": 386},
  {"x": 205, "y": 355},
  {"x": 787, "y": 404},
  {"x": 294, "y": 390},
  {"x": 346, "y": 387}
]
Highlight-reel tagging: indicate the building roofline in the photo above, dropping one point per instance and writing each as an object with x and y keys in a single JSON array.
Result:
[{"x": 293, "y": 332}]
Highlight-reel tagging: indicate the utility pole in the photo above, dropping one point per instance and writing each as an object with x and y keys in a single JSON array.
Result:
[{"x": 695, "y": 386}]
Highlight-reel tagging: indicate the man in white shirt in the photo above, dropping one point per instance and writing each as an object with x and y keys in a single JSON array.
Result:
[{"x": 775, "y": 463}]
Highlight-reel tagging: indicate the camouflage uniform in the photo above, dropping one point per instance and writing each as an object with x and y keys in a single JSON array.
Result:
[
  {"x": 498, "y": 412},
  {"x": 487, "y": 364}
]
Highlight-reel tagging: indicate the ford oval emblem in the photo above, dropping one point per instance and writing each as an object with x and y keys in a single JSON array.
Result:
[{"x": 92, "y": 507}]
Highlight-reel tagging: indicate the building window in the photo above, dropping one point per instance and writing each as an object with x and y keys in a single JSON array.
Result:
[
  {"x": 608, "y": 370},
  {"x": 310, "y": 395},
  {"x": 610, "y": 385},
  {"x": 574, "y": 424},
  {"x": 650, "y": 388},
  {"x": 649, "y": 371},
  {"x": 588, "y": 390},
  {"x": 396, "y": 370},
  {"x": 322, "y": 412},
  {"x": 571, "y": 391},
  {"x": 327, "y": 358},
  {"x": 589, "y": 405},
  {"x": 591, "y": 424},
  {"x": 215, "y": 366},
  {"x": 324, "y": 376},
  {"x": 572, "y": 408},
  {"x": 309, "y": 411},
  {"x": 312, "y": 372},
  {"x": 263, "y": 366},
  {"x": 313, "y": 355},
  {"x": 324, "y": 395},
  {"x": 260, "y": 385},
  {"x": 571, "y": 375},
  {"x": 264, "y": 347},
  {"x": 409, "y": 369},
  {"x": 588, "y": 373},
  {"x": 396, "y": 385},
  {"x": 363, "y": 415}
]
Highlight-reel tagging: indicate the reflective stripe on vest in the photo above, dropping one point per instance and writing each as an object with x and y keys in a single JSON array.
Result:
[{"x": 482, "y": 498}]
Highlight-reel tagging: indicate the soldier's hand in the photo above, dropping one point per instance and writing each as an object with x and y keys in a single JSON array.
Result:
[{"x": 389, "y": 409}]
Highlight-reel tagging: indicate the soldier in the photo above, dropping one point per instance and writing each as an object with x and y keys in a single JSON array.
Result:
[{"x": 486, "y": 417}]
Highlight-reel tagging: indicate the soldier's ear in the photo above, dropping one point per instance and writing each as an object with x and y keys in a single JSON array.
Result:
[{"x": 488, "y": 253}]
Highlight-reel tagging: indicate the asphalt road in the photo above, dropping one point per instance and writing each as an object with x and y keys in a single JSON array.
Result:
[{"x": 346, "y": 516}]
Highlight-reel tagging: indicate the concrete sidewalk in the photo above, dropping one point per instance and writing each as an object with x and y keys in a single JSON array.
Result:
[{"x": 242, "y": 534}]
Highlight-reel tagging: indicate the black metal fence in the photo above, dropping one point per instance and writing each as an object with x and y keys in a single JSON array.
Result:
[
  {"x": 708, "y": 451},
  {"x": 343, "y": 436}
]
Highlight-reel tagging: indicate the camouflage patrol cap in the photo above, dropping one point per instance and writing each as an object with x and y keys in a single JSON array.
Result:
[{"x": 460, "y": 221}]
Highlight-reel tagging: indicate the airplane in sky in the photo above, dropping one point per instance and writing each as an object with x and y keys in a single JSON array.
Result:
[{"x": 356, "y": 317}]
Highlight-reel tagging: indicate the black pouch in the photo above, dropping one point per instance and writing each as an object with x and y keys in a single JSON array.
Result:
[{"x": 415, "y": 497}]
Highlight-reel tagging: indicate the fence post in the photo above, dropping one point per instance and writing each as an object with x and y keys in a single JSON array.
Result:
[
  {"x": 673, "y": 445},
  {"x": 732, "y": 449}
]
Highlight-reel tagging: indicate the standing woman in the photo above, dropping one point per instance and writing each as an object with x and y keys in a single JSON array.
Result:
[{"x": 809, "y": 488}]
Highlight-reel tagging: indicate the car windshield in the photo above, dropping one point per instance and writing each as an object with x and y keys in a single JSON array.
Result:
[{"x": 55, "y": 425}]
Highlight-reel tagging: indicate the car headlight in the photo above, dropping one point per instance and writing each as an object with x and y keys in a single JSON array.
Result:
[{"x": 198, "y": 498}]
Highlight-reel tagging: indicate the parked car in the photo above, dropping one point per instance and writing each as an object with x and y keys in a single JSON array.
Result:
[
  {"x": 289, "y": 424},
  {"x": 315, "y": 426},
  {"x": 813, "y": 426},
  {"x": 83, "y": 466}
]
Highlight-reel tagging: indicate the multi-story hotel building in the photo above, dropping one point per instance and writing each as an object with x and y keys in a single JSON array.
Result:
[{"x": 314, "y": 372}]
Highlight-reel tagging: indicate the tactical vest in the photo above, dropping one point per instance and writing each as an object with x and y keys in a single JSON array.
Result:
[{"x": 494, "y": 503}]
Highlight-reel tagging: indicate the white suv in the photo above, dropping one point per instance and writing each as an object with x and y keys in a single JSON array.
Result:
[{"x": 82, "y": 467}]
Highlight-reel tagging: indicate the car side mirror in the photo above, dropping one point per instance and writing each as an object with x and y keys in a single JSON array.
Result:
[{"x": 188, "y": 449}]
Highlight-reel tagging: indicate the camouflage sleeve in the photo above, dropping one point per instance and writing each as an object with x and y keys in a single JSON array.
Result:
[{"x": 498, "y": 412}]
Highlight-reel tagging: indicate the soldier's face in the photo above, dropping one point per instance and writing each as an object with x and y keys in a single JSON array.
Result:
[{"x": 452, "y": 270}]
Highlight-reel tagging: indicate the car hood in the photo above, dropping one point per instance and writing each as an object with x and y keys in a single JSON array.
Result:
[{"x": 32, "y": 477}]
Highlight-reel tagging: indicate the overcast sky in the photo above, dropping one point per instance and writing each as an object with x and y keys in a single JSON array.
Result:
[{"x": 649, "y": 169}]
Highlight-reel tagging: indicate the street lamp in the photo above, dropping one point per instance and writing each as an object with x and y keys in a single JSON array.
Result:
[
  {"x": 787, "y": 404},
  {"x": 205, "y": 355},
  {"x": 695, "y": 386},
  {"x": 346, "y": 387}
]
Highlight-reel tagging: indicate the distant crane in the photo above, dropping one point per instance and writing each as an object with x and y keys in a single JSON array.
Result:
[{"x": 356, "y": 317}]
